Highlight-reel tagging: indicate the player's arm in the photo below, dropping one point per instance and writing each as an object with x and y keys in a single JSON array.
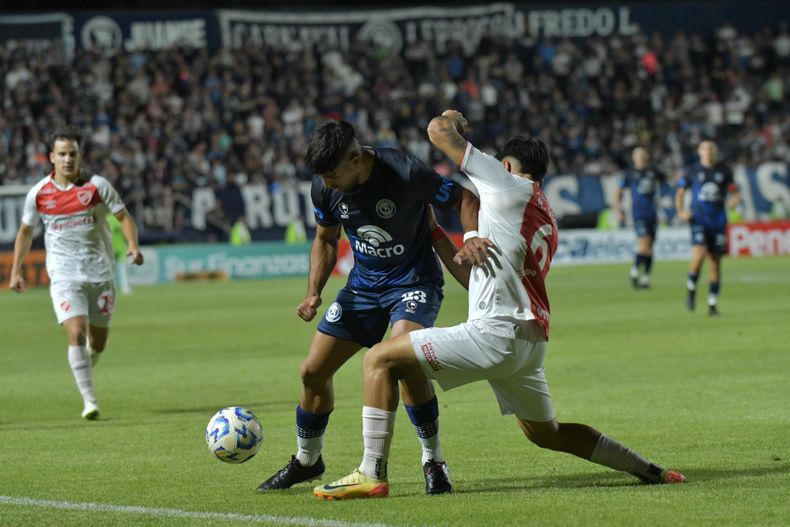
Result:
[
  {"x": 445, "y": 131},
  {"x": 618, "y": 203},
  {"x": 680, "y": 195},
  {"x": 22, "y": 244},
  {"x": 323, "y": 256},
  {"x": 129, "y": 230},
  {"x": 446, "y": 250}
]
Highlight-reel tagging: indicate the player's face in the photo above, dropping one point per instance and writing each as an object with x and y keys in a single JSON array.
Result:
[
  {"x": 640, "y": 158},
  {"x": 346, "y": 175},
  {"x": 65, "y": 157},
  {"x": 707, "y": 153}
]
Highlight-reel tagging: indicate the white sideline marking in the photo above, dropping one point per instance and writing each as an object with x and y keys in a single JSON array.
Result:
[{"x": 178, "y": 513}]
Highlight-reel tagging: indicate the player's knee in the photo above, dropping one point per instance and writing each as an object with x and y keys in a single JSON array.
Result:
[
  {"x": 376, "y": 358},
  {"x": 312, "y": 375}
]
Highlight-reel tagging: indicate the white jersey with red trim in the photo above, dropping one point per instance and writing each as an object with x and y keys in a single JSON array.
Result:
[
  {"x": 76, "y": 234},
  {"x": 515, "y": 215}
]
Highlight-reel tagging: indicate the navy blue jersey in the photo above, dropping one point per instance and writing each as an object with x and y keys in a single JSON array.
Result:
[
  {"x": 708, "y": 193},
  {"x": 644, "y": 185},
  {"x": 385, "y": 220}
]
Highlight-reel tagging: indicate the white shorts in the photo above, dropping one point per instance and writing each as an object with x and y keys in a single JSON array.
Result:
[
  {"x": 494, "y": 350},
  {"x": 93, "y": 300}
]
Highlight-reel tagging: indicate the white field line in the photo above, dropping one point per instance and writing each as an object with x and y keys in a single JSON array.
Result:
[{"x": 178, "y": 513}]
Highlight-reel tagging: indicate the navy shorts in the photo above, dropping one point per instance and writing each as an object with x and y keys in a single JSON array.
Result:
[
  {"x": 713, "y": 238},
  {"x": 362, "y": 316},
  {"x": 645, "y": 227}
]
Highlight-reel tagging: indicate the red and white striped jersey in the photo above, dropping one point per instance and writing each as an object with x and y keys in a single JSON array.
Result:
[
  {"x": 516, "y": 216},
  {"x": 76, "y": 234}
]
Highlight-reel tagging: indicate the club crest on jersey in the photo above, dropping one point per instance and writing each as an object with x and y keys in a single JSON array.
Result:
[
  {"x": 334, "y": 312},
  {"x": 343, "y": 210},
  {"x": 385, "y": 208},
  {"x": 50, "y": 204},
  {"x": 84, "y": 196},
  {"x": 719, "y": 177}
]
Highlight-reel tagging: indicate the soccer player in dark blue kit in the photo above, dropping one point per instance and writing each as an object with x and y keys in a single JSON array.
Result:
[
  {"x": 712, "y": 188},
  {"x": 382, "y": 198},
  {"x": 644, "y": 183}
]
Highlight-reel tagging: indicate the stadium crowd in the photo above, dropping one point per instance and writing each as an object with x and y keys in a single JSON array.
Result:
[{"x": 161, "y": 123}]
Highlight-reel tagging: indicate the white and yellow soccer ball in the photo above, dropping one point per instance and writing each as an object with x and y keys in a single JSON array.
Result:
[{"x": 234, "y": 434}]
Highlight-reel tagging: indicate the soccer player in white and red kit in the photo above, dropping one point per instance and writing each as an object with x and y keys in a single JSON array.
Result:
[
  {"x": 73, "y": 206},
  {"x": 505, "y": 337}
]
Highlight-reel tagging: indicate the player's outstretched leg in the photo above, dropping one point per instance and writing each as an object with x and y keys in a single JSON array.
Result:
[
  {"x": 587, "y": 443},
  {"x": 307, "y": 464}
]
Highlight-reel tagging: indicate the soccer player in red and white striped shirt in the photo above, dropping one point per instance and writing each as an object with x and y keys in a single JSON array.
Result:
[
  {"x": 505, "y": 337},
  {"x": 73, "y": 206}
]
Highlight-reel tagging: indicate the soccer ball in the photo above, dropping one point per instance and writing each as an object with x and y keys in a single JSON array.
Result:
[{"x": 234, "y": 434}]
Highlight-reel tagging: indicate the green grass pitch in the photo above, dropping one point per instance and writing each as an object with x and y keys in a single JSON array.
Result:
[{"x": 708, "y": 396}]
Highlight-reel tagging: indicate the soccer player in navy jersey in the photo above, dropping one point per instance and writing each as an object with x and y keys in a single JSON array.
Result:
[
  {"x": 382, "y": 198},
  {"x": 506, "y": 335},
  {"x": 712, "y": 189},
  {"x": 644, "y": 183}
]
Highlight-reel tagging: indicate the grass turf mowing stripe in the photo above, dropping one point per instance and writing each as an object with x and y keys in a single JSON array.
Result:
[{"x": 178, "y": 513}]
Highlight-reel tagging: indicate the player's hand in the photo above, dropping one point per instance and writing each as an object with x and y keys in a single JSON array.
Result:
[
  {"x": 17, "y": 283},
  {"x": 619, "y": 216},
  {"x": 458, "y": 120},
  {"x": 474, "y": 252},
  {"x": 309, "y": 307},
  {"x": 136, "y": 255},
  {"x": 684, "y": 215}
]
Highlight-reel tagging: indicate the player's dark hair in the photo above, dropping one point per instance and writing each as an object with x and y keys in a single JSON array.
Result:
[
  {"x": 64, "y": 133},
  {"x": 328, "y": 145},
  {"x": 530, "y": 152}
]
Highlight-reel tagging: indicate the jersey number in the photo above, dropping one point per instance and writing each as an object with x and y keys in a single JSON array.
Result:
[{"x": 539, "y": 242}]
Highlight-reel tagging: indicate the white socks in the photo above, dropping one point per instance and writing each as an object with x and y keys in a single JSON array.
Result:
[
  {"x": 612, "y": 454},
  {"x": 309, "y": 449},
  {"x": 377, "y": 427},
  {"x": 80, "y": 362}
]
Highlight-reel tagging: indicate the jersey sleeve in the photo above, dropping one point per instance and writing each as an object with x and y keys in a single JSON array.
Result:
[
  {"x": 108, "y": 194},
  {"x": 30, "y": 214},
  {"x": 441, "y": 192},
  {"x": 485, "y": 171},
  {"x": 321, "y": 206}
]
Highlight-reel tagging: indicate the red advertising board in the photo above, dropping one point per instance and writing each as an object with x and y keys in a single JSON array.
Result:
[{"x": 759, "y": 239}]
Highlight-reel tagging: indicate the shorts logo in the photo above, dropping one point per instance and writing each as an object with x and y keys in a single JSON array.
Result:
[
  {"x": 430, "y": 356},
  {"x": 65, "y": 305},
  {"x": 411, "y": 306},
  {"x": 334, "y": 313},
  {"x": 385, "y": 208},
  {"x": 343, "y": 210}
]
